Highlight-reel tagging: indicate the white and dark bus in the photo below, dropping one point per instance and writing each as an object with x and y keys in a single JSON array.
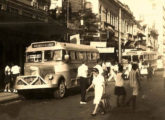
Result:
[
  {"x": 146, "y": 57},
  {"x": 52, "y": 66}
]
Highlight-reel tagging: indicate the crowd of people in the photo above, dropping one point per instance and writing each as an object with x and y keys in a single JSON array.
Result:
[
  {"x": 11, "y": 72},
  {"x": 101, "y": 74}
]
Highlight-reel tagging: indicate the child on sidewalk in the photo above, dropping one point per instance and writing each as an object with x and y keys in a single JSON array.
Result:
[{"x": 119, "y": 87}]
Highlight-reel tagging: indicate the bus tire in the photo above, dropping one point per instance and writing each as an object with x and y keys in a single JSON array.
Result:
[{"x": 60, "y": 91}]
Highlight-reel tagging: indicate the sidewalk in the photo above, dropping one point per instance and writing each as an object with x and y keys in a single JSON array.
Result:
[{"x": 6, "y": 97}]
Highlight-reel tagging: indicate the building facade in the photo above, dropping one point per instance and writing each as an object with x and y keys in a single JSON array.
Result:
[{"x": 115, "y": 24}]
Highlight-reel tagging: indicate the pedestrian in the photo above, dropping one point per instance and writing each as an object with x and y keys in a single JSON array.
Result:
[
  {"x": 7, "y": 78},
  {"x": 99, "y": 67},
  {"x": 116, "y": 67},
  {"x": 104, "y": 66},
  {"x": 150, "y": 72},
  {"x": 119, "y": 87},
  {"x": 82, "y": 77},
  {"x": 105, "y": 70},
  {"x": 112, "y": 74},
  {"x": 98, "y": 85},
  {"x": 140, "y": 64},
  {"x": 134, "y": 82},
  {"x": 15, "y": 70},
  {"x": 129, "y": 68},
  {"x": 108, "y": 64}
]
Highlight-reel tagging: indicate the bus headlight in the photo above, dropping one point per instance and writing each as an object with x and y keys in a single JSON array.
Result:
[{"x": 50, "y": 77}]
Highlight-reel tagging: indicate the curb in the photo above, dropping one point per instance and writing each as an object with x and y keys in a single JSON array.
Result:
[{"x": 10, "y": 99}]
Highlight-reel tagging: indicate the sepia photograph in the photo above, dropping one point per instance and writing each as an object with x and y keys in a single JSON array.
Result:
[{"x": 82, "y": 59}]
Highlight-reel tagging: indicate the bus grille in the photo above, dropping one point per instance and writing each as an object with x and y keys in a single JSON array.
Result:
[{"x": 30, "y": 80}]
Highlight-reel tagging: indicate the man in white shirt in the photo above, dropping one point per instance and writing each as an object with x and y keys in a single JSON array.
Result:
[
  {"x": 15, "y": 70},
  {"x": 113, "y": 71},
  {"x": 82, "y": 76}
]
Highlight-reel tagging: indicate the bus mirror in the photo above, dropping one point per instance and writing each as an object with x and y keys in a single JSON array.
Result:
[{"x": 66, "y": 57}]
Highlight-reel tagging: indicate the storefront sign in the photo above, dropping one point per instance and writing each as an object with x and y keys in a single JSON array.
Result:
[
  {"x": 98, "y": 44},
  {"x": 106, "y": 50}
]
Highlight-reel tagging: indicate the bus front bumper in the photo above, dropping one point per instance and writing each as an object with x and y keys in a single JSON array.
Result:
[
  {"x": 32, "y": 82},
  {"x": 23, "y": 87}
]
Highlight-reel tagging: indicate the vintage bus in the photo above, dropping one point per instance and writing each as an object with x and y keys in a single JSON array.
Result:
[
  {"x": 52, "y": 66},
  {"x": 142, "y": 58}
]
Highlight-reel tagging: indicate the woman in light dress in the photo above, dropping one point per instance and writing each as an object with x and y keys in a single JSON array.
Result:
[{"x": 98, "y": 84}]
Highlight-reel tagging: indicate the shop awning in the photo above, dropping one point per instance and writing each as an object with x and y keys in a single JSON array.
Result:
[{"x": 34, "y": 27}]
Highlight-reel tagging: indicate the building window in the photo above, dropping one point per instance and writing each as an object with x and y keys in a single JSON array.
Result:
[
  {"x": 100, "y": 12},
  {"x": 115, "y": 23},
  {"x": 108, "y": 17},
  {"x": 112, "y": 19},
  {"x": 117, "y": 27},
  {"x": 103, "y": 15}
]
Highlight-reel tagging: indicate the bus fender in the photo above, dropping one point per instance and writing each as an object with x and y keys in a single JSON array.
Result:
[{"x": 57, "y": 79}]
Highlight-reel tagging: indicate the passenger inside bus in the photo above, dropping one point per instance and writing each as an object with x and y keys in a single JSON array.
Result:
[{"x": 53, "y": 55}]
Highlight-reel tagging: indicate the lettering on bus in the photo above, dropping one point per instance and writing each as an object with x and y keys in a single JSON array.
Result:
[{"x": 38, "y": 45}]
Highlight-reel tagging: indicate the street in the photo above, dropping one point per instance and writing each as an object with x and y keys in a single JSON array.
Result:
[{"x": 150, "y": 106}]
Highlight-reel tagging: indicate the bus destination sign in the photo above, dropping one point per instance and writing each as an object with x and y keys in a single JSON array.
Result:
[{"x": 38, "y": 45}]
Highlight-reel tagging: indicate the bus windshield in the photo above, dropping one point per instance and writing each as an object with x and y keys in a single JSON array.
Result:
[
  {"x": 34, "y": 56},
  {"x": 49, "y": 55}
]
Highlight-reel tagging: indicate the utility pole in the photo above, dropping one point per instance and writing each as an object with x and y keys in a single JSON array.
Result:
[
  {"x": 67, "y": 14},
  {"x": 67, "y": 19},
  {"x": 119, "y": 38},
  {"x": 82, "y": 18}
]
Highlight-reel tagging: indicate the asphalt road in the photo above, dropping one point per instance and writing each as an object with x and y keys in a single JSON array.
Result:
[{"x": 150, "y": 106}]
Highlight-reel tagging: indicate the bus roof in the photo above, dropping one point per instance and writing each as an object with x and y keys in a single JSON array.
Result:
[
  {"x": 136, "y": 52},
  {"x": 54, "y": 45}
]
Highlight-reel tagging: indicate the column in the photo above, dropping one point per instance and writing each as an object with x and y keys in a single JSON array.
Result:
[{"x": 119, "y": 38}]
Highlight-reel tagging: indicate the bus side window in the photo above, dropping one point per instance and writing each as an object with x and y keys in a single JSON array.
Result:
[
  {"x": 72, "y": 55},
  {"x": 141, "y": 57},
  {"x": 77, "y": 55},
  {"x": 88, "y": 55},
  {"x": 94, "y": 56},
  {"x": 98, "y": 56},
  {"x": 80, "y": 55},
  {"x": 57, "y": 55},
  {"x": 84, "y": 55}
]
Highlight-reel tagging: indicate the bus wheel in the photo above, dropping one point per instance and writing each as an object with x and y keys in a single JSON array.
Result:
[{"x": 60, "y": 91}]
